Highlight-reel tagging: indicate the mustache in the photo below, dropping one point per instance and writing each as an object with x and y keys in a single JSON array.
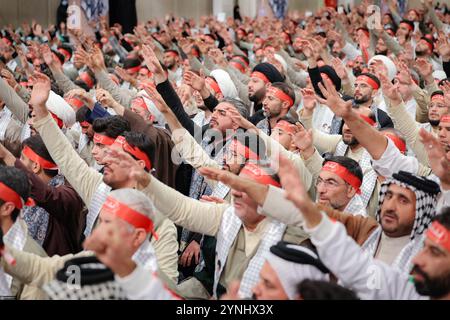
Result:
[
  {"x": 418, "y": 270},
  {"x": 391, "y": 213}
]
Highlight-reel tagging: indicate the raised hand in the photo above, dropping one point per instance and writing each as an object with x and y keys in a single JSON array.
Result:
[
  {"x": 390, "y": 90},
  {"x": 9, "y": 78},
  {"x": 83, "y": 96},
  {"x": 443, "y": 46},
  {"x": 438, "y": 157},
  {"x": 105, "y": 98},
  {"x": 235, "y": 182},
  {"x": 125, "y": 76},
  {"x": 424, "y": 68},
  {"x": 339, "y": 67},
  {"x": 39, "y": 95},
  {"x": 309, "y": 101},
  {"x": 96, "y": 60},
  {"x": 332, "y": 99},
  {"x": 157, "y": 99},
  {"x": 153, "y": 64},
  {"x": 194, "y": 81},
  {"x": 239, "y": 120},
  {"x": 303, "y": 140}
]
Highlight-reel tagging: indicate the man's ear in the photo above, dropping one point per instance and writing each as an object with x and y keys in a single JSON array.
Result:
[
  {"x": 351, "y": 192},
  {"x": 141, "y": 163},
  {"x": 140, "y": 238},
  {"x": 36, "y": 168},
  {"x": 374, "y": 93},
  {"x": 6, "y": 209}
]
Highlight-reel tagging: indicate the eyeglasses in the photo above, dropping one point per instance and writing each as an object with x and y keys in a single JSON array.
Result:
[{"x": 329, "y": 184}]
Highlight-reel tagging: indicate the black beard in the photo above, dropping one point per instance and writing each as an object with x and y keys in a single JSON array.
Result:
[
  {"x": 353, "y": 142},
  {"x": 362, "y": 100},
  {"x": 434, "y": 123},
  {"x": 421, "y": 53},
  {"x": 357, "y": 72},
  {"x": 434, "y": 288}
]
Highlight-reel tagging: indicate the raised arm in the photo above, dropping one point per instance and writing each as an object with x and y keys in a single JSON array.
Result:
[{"x": 83, "y": 179}]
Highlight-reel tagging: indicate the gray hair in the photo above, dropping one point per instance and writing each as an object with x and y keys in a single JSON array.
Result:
[
  {"x": 135, "y": 200},
  {"x": 240, "y": 106}
]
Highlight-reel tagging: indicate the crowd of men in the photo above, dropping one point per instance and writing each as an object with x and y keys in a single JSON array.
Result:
[{"x": 304, "y": 158}]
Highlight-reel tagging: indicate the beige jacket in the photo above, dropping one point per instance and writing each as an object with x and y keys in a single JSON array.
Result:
[{"x": 86, "y": 180}]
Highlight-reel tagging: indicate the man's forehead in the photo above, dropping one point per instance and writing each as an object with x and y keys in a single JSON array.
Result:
[{"x": 399, "y": 190}]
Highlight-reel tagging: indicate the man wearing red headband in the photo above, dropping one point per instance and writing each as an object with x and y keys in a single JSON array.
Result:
[
  {"x": 126, "y": 216},
  {"x": 92, "y": 186},
  {"x": 235, "y": 226},
  {"x": 430, "y": 260},
  {"x": 10, "y": 130},
  {"x": 278, "y": 101},
  {"x": 14, "y": 192},
  {"x": 172, "y": 63},
  {"x": 345, "y": 145},
  {"x": 54, "y": 222}
]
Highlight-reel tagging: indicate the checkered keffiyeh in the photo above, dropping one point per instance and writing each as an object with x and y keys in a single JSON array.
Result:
[
  {"x": 16, "y": 237},
  {"x": 5, "y": 119},
  {"x": 4, "y": 287},
  {"x": 98, "y": 198},
  {"x": 95, "y": 282},
  {"x": 425, "y": 211},
  {"x": 264, "y": 126}
]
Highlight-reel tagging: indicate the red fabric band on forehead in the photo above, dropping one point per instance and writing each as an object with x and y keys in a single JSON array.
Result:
[
  {"x": 103, "y": 140},
  {"x": 410, "y": 27},
  {"x": 343, "y": 173},
  {"x": 134, "y": 151},
  {"x": 399, "y": 143},
  {"x": 286, "y": 127},
  {"x": 281, "y": 95},
  {"x": 242, "y": 150},
  {"x": 133, "y": 217},
  {"x": 439, "y": 234},
  {"x": 438, "y": 98},
  {"x": 445, "y": 119},
  {"x": 213, "y": 84},
  {"x": 9, "y": 195},
  {"x": 368, "y": 120},
  {"x": 87, "y": 79},
  {"x": 260, "y": 75},
  {"x": 369, "y": 81},
  {"x": 238, "y": 66},
  {"x": 259, "y": 175},
  {"x": 33, "y": 156}
]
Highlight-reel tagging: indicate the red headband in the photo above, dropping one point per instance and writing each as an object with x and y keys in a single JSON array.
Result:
[
  {"x": 9, "y": 195},
  {"x": 242, "y": 60},
  {"x": 65, "y": 53},
  {"x": 281, "y": 95},
  {"x": 139, "y": 101},
  {"x": 84, "y": 124},
  {"x": 259, "y": 175},
  {"x": 286, "y": 127},
  {"x": 344, "y": 173},
  {"x": 428, "y": 44},
  {"x": 368, "y": 120},
  {"x": 369, "y": 81},
  {"x": 399, "y": 143},
  {"x": 133, "y": 70},
  {"x": 74, "y": 102},
  {"x": 33, "y": 156},
  {"x": 260, "y": 75},
  {"x": 134, "y": 151},
  {"x": 87, "y": 79},
  {"x": 173, "y": 54},
  {"x": 213, "y": 84},
  {"x": 133, "y": 217},
  {"x": 439, "y": 234},
  {"x": 243, "y": 150},
  {"x": 438, "y": 97},
  {"x": 410, "y": 27},
  {"x": 445, "y": 119},
  {"x": 103, "y": 140},
  {"x": 238, "y": 66},
  {"x": 59, "y": 122}
]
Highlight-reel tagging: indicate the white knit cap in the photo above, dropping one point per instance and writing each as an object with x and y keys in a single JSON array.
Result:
[
  {"x": 292, "y": 273},
  {"x": 159, "y": 117},
  {"x": 281, "y": 60},
  {"x": 225, "y": 83},
  {"x": 390, "y": 65},
  {"x": 439, "y": 75},
  {"x": 60, "y": 108}
]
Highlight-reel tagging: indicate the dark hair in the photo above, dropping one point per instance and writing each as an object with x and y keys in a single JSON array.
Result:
[
  {"x": 16, "y": 180},
  {"x": 444, "y": 217},
  {"x": 289, "y": 119},
  {"x": 83, "y": 114},
  {"x": 142, "y": 142},
  {"x": 111, "y": 127},
  {"x": 436, "y": 93},
  {"x": 60, "y": 56},
  {"x": 252, "y": 141},
  {"x": 131, "y": 63},
  {"x": 82, "y": 85},
  {"x": 287, "y": 89},
  {"x": 36, "y": 144},
  {"x": 373, "y": 77},
  {"x": 348, "y": 163},
  {"x": 323, "y": 290},
  {"x": 410, "y": 23}
]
